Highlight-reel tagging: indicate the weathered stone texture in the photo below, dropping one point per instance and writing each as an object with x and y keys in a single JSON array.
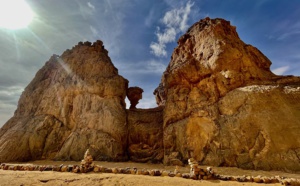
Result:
[
  {"x": 223, "y": 105},
  {"x": 145, "y": 135},
  {"x": 75, "y": 102}
]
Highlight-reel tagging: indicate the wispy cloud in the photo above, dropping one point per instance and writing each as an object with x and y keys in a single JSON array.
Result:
[
  {"x": 288, "y": 34},
  {"x": 91, "y": 5},
  {"x": 94, "y": 31},
  {"x": 150, "y": 66},
  {"x": 281, "y": 70},
  {"x": 175, "y": 22},
  {"x": 285, "y": 30},
  {"x": 150, "y": 18}
]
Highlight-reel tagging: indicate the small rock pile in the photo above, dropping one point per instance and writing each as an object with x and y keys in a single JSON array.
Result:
[
  {"x": 87, "y": 163},
  {"x": 198, "y": 173}
]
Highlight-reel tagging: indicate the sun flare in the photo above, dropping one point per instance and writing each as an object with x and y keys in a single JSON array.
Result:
[{"x": 15, "y": 14}]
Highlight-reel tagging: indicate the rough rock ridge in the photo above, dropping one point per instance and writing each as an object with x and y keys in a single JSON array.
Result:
[
  {"x": 223, "y": 105},
  {"x": 75, "y": 102}
]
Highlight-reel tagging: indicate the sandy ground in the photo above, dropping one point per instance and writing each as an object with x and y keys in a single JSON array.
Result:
[{"x": 58, "y": 178}]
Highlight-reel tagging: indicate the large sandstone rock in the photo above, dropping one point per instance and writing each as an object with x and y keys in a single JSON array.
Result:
[
  {"x": 223, "y": 105},
  {"x": 75, "y": 102}
]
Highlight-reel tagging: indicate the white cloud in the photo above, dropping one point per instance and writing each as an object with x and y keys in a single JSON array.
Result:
[
  {"x": 158, "y": 49},
  {"x": 178, "y": 18},
  {"x": 175, "y": 22},
  {"x": 281, "y": 70},
  {"x": 168, "y": 36}
]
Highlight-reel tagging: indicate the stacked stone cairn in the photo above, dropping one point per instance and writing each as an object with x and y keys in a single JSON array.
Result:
[
  {"x": 196, "y": 173},
  {"x": 87, "y": 163}
]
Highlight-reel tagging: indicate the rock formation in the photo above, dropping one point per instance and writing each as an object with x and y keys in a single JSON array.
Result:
[
  {"x": 223, "y": 105},
  {"x": 219, "y": 104},
  {"x": 75, "y": 102},
  {"x": 134, "y": 94}
]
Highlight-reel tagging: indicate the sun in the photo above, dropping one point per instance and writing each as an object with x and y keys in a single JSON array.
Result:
[{"x": 15, "y": 14}]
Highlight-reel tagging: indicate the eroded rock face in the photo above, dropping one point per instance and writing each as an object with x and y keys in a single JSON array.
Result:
[
  {"x": 145, "y": 137},
  {"x": 259, "y": 129},
  {"x": 223, "y": 105},
  {"x": 75, "y": 102},
  {"x": 160, "y": 95}
]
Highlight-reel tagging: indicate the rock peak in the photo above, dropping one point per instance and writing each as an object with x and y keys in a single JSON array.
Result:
[
  {"x": 206, "y": 22},
  {"x": 66, "y": 108}
]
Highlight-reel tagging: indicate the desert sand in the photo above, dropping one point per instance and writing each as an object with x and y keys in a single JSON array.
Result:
[{"x": 9, "y": 177}]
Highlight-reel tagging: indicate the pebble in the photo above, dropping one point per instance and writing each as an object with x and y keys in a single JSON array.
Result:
[
  {"x": 186, "y": 175},
  {"x": 114, "y": 170},
  {"x": 241, "y": 179},
  {"x": 266, "y": 180},
  {"x": 155, "y": 172},
  {"x": 76, "y": 169},
  {"x": 102, "y": 169},
  {"x": 108, "y": 170},
  {"x": 258, "y": 179},
  {"x": 145, "y": 172},
  {"x": 96, "y": 169},
  {"x": 178, "y": 174},
  {"x": 133, "y": 171},
  {"x": 64, "y": 168},
  {"x": 70, "y": 168},
  {"x": 31, "y": 168},
  {"x": 164, "y": 173},
  {"x": 55, "y": 168},
  {"x": 171, "y": 174}
]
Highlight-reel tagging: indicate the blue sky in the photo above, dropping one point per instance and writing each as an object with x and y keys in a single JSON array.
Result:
[{"x": 140, "y": 36}]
